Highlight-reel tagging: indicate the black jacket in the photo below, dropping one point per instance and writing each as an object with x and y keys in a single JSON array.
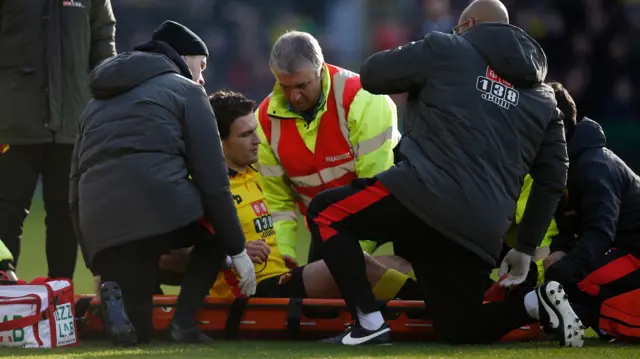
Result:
[
  {"x": 47, "y": 48},
  {"x": 601, "y": 209},
  {"x": 147, "y": 129},
  {"x": 470, "y": 138}
]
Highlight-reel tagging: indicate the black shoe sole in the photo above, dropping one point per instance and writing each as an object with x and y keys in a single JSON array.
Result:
[{"x": 114, "y": 317}]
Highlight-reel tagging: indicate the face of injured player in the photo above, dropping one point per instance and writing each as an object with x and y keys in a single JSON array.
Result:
[
  {"x": 241, "y": 146},
  {"x": 301, "y": 88}
]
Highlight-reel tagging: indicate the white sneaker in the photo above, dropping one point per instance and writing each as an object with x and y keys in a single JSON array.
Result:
[
  {"x": 357, "y": 335},
  {"x": 557, "y": 317}
]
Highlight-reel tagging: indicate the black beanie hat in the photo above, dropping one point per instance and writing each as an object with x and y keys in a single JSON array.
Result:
[{"x": 183, "y": 40}]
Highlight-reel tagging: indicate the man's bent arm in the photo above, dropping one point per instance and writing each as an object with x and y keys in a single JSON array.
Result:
[
  {"x": 207, "y": 166},
  {"x": 402, "y": 69},
  {"x": 549, "y": 173},
  {"x": 279, "y": 196},
  {"x": 373, "y": 132},
  {"x": 103, "y": 32},
  {"x": 599, "y": 211}
]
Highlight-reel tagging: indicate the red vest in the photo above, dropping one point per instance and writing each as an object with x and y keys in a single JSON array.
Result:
[{"x": 332, "y": 164}]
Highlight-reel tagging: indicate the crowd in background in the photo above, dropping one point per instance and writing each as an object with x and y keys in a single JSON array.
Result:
[{"x": 590, "y": 44}]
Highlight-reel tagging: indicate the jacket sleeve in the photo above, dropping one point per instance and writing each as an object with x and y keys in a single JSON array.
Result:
[
  {"x": 103, "y": 32},
  {"x": 280, "y": 197},
  {"x": 373, "y": 132},
  {"x": 402, "y": 69},
  {"x": 74, "y": 198},
  {"x": 207, "y": 166},
  {"x": 599, "y": 211},
  {"x": 552, "y": 230},
  {"x": 549, "y": 173}
]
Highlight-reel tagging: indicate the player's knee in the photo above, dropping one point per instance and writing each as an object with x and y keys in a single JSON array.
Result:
[{"x": 316, "y": 206}]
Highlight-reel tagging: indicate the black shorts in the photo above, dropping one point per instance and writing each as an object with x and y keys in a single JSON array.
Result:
[{"x": 292, "y": 285}]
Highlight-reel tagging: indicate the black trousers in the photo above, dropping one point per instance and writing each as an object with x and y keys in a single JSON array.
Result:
[
  {"x": 20, "y": 168},
  {"x": 453, "y": 279},
  {"x": 134, "y": 267}
]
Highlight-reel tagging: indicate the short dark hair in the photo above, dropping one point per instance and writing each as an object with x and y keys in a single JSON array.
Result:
[
  {"x": 566, "y": 105},
  {"x": 228, "y": 106}
]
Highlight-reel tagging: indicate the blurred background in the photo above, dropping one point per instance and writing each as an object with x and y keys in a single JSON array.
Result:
[{"x": 590, "y": 44}]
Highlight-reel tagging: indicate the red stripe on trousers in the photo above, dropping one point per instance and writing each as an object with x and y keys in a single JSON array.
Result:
[
  {"x": 608, "y": 273},
  {"x": 347, "y": 207}
]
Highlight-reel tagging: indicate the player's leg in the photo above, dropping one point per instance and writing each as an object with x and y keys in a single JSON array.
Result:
[
  {"x": 128, "y": 274},
  {"x": 453, "y": 280},
  {"x": 205, "y": 261},
  {"x": 19, "y": 169},
  {"x": 395, "y": 262},
  {"x": 61, "y": 243},
  {"x": 338, "y": 218}
]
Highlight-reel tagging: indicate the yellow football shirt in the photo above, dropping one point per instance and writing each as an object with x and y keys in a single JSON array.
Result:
[{"x": 257, "y": 224}]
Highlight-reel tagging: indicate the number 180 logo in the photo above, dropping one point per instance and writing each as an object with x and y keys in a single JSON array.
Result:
[{"x": 496, "y": 90}]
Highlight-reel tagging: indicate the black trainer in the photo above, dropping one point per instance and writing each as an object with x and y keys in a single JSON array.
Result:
[
  {"x": 114, "y": 316},
  {"x": 557, "y": 317},
  {"x": 357, "y": 335},
  {"x": 191, "y": 335}
]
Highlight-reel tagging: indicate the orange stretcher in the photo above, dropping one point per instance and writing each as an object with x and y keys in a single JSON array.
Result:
[{"x": 281, "y": 318}]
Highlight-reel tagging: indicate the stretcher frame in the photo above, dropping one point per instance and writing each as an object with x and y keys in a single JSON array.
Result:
[{"x": 281, "y": 318}]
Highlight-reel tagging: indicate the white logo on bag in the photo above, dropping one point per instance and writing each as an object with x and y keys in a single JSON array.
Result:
[{"x": 65, "y": 326}]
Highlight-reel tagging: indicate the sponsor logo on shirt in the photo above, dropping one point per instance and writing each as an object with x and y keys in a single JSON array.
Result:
[
  {"x": 344, "y": 156},
  {"x": 67, "y": 3},
  {"x": 497, "y": 90}
]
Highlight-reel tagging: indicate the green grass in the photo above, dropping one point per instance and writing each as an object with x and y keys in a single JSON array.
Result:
[
  {"x": 282, "y": 350},
  {"x": 33, "y": 264}
]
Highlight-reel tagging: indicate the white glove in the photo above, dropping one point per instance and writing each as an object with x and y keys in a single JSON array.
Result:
[
  {"x": 245, "y": 269},
  {"x": 517, "y": 265}
]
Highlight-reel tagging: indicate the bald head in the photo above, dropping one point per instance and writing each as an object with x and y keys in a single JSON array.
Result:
[{"x": 481, "y": 11}]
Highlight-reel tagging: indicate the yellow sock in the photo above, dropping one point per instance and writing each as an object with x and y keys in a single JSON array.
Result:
[
  {"x": 412, "y": 274},
  {"x": 389, "y": 284}
]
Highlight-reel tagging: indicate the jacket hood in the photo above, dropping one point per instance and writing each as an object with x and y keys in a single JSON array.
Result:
[
  {"x": 510, "y": 52},
  {"x": 126, "y": 71},
  {"x": 587, "y": 134}
]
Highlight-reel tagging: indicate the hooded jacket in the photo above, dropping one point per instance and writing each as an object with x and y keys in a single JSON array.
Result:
[
  {"x": 47, "y": 48},
  {"x": 147, "y": 131},
  {"x": 601, "y": 209},
  {"x": 478, "y": 119}
]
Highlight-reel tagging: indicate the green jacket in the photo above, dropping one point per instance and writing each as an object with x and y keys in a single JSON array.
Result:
[
  {"x": 552, "y": 231},
  {"x": 48, "y": 48},
  {"x": 6, "y": 258}
]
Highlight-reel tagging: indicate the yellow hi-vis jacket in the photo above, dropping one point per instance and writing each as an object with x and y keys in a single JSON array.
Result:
[
  {"x": 5, "y": 253},
  {"x": 552, "y": 231},
  {"x": 369, "y": 116}
]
